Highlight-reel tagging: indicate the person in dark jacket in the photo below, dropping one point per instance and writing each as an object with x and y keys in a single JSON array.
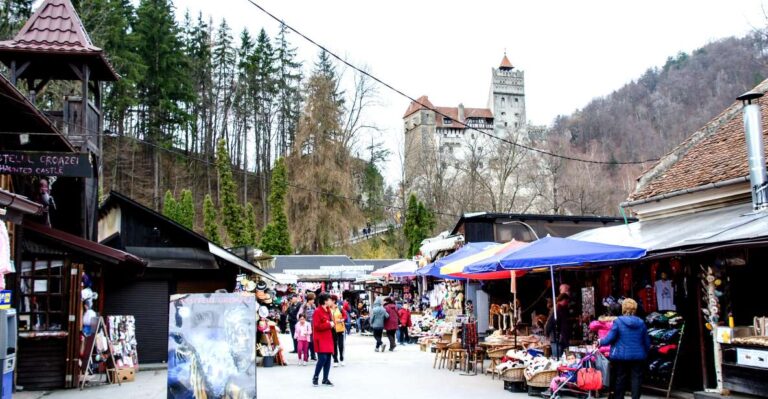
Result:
[
  {"x": 559, "y": 328},
  {"x": 293, "y": 318},
  {"x": 322, "y": 337},
  {"x": 630, "y": 343},
  {"x": 392, "y": 323},
  {"x": 379, "y": 316}
]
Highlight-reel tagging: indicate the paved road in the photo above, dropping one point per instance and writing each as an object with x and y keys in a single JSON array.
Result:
[
  {"x": 407, "y": 372},
  {"x": 370, "y": 375}
]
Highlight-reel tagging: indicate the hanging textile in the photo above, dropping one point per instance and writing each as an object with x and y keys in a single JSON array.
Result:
[{"x": 5, "y": 254}]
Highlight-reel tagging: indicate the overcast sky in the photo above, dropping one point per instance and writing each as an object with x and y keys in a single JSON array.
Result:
[{"x": 571, "y": 51}]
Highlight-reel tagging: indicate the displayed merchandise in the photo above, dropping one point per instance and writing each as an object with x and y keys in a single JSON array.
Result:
[
  {"x": 122, "y": 335},
  {"x": 97, "y": 357},
  {"x": 666, "y": 333},
  {"x": 211, "y": 346},
  {"x": 588, "y": 301},
  {"x": 665, "y": 293}
]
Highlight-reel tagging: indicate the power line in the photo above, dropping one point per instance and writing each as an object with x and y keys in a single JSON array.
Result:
[
  {"x": 435, "y": 110},
  {"x": 180, "y": 153}
]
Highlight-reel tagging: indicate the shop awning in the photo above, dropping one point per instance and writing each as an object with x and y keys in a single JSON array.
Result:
[
  {"x": 555, "y": 251},
  {"x": 459, "y": 266},
  {"x": 405, "y": 268},
  {"x": 691, "y": 232},
  {"x": 16, "y": 205},
  {"x": 433, "y": 269},
  {"x": 83, "y": 246}
]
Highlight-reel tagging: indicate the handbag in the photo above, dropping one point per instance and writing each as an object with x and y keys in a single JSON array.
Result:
[
  {"x": 589, "y": 379},
  {"x": 604, "y": 366}
]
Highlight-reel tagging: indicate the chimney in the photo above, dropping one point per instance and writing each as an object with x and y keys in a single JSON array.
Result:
[
  {"x": 461, "y": 113},
  {"x": 753, "y": 128}
]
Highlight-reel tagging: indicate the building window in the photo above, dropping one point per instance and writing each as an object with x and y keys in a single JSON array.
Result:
[
  {"x": 516, "y": 124},
  {"x": 503, "y": 113},
  {"x": 516, "y": 99},
  {"x": 503, "y": 100},
  {"x": 505, "y": 124},
  {"x": 516, "y": 114},
  {"x": 42, "y": 296},
  {"x": 447, "y": 121}
]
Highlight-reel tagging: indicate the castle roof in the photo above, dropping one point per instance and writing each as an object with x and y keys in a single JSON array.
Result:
[
  {"x": 55, "y": 33},
  {"x": 469, "y": 113},
  {"x": 418, "y": 105},
  {"x": 505, "y": 63}
]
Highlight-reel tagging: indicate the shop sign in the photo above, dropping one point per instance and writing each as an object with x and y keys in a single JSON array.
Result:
[
  {"x": 5, "y": 299},
  {"x": 35, "y": 163}
]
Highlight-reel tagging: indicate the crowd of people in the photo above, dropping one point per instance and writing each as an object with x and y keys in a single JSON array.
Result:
[{"x": 319, "y": 325}]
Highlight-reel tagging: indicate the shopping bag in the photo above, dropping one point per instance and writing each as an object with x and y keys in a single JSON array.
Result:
[
  {"x": 604, "y": 365},
  {"x": 589, "y": 379}
]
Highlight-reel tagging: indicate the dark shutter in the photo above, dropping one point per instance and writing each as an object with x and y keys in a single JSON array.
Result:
[
  {"x": 41, "y": 363},
  {"x": 148, "y": 302}
]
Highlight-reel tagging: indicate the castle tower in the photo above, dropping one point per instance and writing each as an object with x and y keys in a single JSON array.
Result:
[{"x": 507, "y": 96}]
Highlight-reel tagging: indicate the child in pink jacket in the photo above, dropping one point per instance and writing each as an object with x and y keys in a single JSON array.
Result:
[
  {"x": 601, "y": 326},
  {"x": 303, "y": 335}
]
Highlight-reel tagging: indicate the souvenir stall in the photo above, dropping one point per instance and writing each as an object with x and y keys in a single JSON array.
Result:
[{"x": 268, "y": 312}]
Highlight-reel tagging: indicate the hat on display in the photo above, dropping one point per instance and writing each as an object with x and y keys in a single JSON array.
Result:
[
  {"x": 261, "y": 286},
  {"x": 250, "y": 286}
]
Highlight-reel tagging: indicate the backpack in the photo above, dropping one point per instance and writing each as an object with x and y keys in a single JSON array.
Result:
[{"x": 589, "y": 379}]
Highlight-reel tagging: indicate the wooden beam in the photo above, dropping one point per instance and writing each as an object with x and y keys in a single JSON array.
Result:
[
  {"x": 41, "y": 86},
  {"x": 17, "y": 71},
  {"x": 77, "y": 71}
]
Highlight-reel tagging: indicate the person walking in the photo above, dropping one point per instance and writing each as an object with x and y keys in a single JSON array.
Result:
[
  {"x": 630, "y": 343},
  {"x": 303, "y": 336},
  {"x": 322, "y": 327},
  {"x": 559, "y": 328},
  {"x": 308, "y": 310},
  {"x": 379, "y": 316},
  {"x": 339, "y": 332},
  {"x": 404, "y": 315},
  {"x": 392, "y": 323},
  {"x": 293, "y": 318}
]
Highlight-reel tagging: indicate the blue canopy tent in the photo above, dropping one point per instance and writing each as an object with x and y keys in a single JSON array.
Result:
[
  {"x": 554, "y": 252},
  {"x": 469, "y": 249}
]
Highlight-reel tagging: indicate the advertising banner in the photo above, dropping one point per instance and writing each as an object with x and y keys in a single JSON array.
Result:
[
  {"x": 45, "y": 163},
  {"x": 212, "y": 346}
]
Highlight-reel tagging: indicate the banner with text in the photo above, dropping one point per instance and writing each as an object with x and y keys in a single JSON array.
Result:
[{"x": 45, "y": 164}]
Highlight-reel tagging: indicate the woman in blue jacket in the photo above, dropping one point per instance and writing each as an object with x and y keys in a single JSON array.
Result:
[{"x": 630, "y": 343}]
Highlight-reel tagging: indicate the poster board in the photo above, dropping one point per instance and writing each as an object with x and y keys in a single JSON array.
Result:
[
  {"x": 122, "y": 335},
  {"x": 212, "y": 346}
]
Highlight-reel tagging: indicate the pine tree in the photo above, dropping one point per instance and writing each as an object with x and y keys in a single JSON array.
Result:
[
  {"x": 251, "y": 230},
  {"x": 276, "y": 239},
  {"x": 186, "y": 210},
  {"x": 231, "y": 211},
  {"x": 165, "y": 86},
  {"x": 411, "y": 227},
  {"x": 13, "y": 14},
  {"x": 323, "y": 215},
  {"x": 197, "y": 49},
  {"x": 264, "y": 88},
  {"x": 211, "y": 220},
  {"x": 109, "y": 22},
  {"x": 288, "y": 91},
  {"x": 170, "y": 206}
]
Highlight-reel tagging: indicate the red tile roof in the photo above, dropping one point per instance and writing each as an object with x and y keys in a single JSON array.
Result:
[
  {"x": 55, "y": 28},
  {"x": 505, "y": 63},
  {"x": 453, "y": 113},
  {"x": 715, "y": 153},
  {"x": 418, "y": 105}
]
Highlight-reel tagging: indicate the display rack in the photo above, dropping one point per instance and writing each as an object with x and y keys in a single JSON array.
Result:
[
  {"x": 661, "y": 377},
  {"x": 98, "y": 362}
]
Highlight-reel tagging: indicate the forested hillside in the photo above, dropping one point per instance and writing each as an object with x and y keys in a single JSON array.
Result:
[{"x": 651, "y": 115}]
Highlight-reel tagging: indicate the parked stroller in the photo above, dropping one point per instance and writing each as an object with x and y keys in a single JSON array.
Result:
[{"x": 581, "y": 379}]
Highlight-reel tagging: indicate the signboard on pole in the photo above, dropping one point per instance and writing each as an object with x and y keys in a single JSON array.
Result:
[
  {"x": 45, "y": 163},
  {"x": 212, "y": 346}
]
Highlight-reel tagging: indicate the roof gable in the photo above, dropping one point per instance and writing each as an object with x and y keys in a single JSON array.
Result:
[
  {"x": 54, "y": 26},
  {"x": 418, "y": 105},
  {"x": 717, "y": 152}
]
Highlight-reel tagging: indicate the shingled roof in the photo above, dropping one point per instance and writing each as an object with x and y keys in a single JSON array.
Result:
[
  {"x": 717, "y": 152},
  {"x": 54, "y": 31},
  {"x": 505, "y": 63},
  {"x": 420, "y": 103}
]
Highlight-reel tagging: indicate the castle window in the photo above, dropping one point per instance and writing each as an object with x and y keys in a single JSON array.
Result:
[
  {"x": 516, "y": 124},
  {"x": 447, "y": 121},
  {"x": 503, "y": 113},
  {"x": 516, "y": 99},
  {"x": 505, "y": 124},
  {"x": 516, "y": 114},
  {"x": 503, "y": 100}
]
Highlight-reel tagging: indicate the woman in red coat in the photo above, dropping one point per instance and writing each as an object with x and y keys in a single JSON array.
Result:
[
  {"x": 392, "y": 322},
  {"x": 322, "y": 325}
]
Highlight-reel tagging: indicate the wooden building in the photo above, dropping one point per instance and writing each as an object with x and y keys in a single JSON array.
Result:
[{"x": 179, "y": 261}]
